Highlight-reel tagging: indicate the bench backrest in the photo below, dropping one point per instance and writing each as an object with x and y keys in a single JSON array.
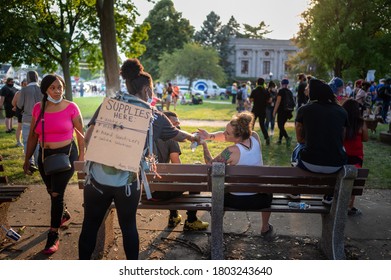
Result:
[
  {"x": 266, "y": 179},
  {"x": 271, "y": 179}
]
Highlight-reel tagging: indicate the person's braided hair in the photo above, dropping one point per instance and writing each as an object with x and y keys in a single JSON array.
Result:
[
  {"x": 132, "y": 71},
  {"x": 242, "y": 124}
]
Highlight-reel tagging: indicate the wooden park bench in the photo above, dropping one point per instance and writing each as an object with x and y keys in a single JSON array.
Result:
[
  {"x": 216, "y": 179},
  {"x": 8, "y": 194}
]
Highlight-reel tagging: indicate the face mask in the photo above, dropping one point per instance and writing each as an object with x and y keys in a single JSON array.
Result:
[{"x": 54, "y": 100}]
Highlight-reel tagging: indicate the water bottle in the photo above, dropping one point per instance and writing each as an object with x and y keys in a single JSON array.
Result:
[
  {"x": 298, "y": 205},
  {"x": 194, "y": 144}
]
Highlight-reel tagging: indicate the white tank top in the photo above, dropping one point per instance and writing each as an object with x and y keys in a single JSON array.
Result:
[{"x": 250, "y": 156}]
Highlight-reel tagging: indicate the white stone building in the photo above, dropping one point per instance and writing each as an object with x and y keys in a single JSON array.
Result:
[{"x": 266, "y": 58}]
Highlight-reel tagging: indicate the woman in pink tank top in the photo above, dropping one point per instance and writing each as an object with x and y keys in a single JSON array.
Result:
[{"x": 54, "y": 121}]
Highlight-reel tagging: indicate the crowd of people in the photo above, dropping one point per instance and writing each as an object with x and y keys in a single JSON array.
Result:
[{"x": 329, "y": 127}]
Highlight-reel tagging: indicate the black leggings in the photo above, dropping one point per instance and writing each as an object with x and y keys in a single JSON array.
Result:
[
  {"x": 97, "y": 200},
  {"x": 261, "y": 119},
  {"x": 58, "y": 182},
  {"x": 282, "y": 118}
]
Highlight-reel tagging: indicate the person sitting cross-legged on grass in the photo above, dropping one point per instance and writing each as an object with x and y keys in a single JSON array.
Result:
[{"x": 246, "y": 150}]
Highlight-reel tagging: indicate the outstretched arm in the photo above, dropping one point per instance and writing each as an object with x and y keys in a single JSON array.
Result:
[{"x": 216, "y": 136}]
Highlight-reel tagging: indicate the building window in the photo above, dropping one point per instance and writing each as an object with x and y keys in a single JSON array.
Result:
[
  {"x": 245, "y": 53},
  {"x": 266, "y": 67},
  {"x": 287, "y": 67},
  {"x": 244, "y": 68},
  {"x": 267, "y": 53}
]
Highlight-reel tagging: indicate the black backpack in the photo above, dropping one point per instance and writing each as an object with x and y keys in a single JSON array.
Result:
[
  {"x": 383, "y": 92},
  {"x": 239, "y": 95},
  {"x": 288, "y": 102}
]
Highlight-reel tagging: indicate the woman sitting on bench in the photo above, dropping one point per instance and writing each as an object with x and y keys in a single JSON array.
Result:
[{"x": 245, "y": 151}]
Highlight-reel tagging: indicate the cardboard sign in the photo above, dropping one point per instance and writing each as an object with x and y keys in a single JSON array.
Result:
[{"x": 119, "y": 135}]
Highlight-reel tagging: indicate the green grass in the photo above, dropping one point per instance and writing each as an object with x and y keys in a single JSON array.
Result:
[{"x": 377, "y": 154}]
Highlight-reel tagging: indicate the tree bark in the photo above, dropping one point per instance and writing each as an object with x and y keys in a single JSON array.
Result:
[
  {"x": 105, "y": 10},
  {"x": 67, "y": 75}
]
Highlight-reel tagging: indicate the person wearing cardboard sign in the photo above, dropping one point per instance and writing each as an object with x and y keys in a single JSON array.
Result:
[
  {"x": 105, "y": 184},
  {"x": 53, "y": 123}
]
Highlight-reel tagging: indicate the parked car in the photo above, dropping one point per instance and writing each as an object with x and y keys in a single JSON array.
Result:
[
  {"x": 210, "y": 88},
  {"x": 185, "y": 89}
]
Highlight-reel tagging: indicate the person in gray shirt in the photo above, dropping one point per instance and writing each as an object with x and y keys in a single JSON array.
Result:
[{"x": 29, "y": 96}]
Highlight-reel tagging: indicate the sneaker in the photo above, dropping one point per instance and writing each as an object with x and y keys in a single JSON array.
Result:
[
  {"x": 174, "y": 221},
  {"x": 327, "y": 199},
  {"x": 269, "y": 235},
  {"x": 52, "y": 243},
  {"x": 19, "y": 144},
  {"x": 65, "y": 217},
  {"x": 354, "y": 212},
  {"x": 293, "y": 196},
  {"x": 196, "y": 225},
  {"x": 268, "y": 141}
]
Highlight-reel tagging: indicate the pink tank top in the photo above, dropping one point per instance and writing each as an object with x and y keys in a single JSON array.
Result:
[{"x": 58, "y": 125}]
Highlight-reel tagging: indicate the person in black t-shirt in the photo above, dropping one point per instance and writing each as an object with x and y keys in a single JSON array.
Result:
[
  {"x": 260, "y": 97},
  {"x": 7, "y": 94},
  {"x": 169, "y": 151}
]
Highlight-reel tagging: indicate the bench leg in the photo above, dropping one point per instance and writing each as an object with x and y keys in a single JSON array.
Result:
[
  {"x": 105, "y": 238},
  {"x": 333, "y": 224},
  {"x": 217, "y": 235}
]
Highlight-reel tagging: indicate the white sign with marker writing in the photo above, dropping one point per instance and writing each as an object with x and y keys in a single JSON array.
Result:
[{"x": 119, "y": 135}]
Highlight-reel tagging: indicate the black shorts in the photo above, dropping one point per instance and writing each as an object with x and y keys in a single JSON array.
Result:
[
  {"x": 9, "y": 113},
  {"x": 255, "y": 201}
]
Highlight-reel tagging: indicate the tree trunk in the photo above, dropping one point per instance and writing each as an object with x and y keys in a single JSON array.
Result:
[
  {"x": 105, "y": 10},
  {"x": 67, "y": 76}
]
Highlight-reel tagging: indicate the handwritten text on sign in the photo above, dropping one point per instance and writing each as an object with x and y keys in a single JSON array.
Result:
[{"x": 119, "y": 135}]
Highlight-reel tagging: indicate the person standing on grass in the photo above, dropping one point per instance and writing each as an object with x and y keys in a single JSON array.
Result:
[
  {"x": 7, "y": 93},
  {"x": 260, "y": 97},
  {"x": 28, "y": 97},
  {"x": 356, "y": 134},
  {"x": 246, "y": 150},
  {"x": 271, "y": 88},
  {"x": 284, "y": 113},
  {"x": 53, "y": 123},
  {"x": 19, "y": 116}
]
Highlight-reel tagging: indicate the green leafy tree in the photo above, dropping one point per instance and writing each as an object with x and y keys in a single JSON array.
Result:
[
  {"x": 255, "y": 32},
  {"x": 169, "y": 31},
  {"x": 347, "y": 37},
  {"x": 192, "y": 62},
  {"x": 214, "y": 34},
  {"x": 48, "y": 33},
  {"x": 209, "y": 35},
  {"x": 52, "y": 33}
]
